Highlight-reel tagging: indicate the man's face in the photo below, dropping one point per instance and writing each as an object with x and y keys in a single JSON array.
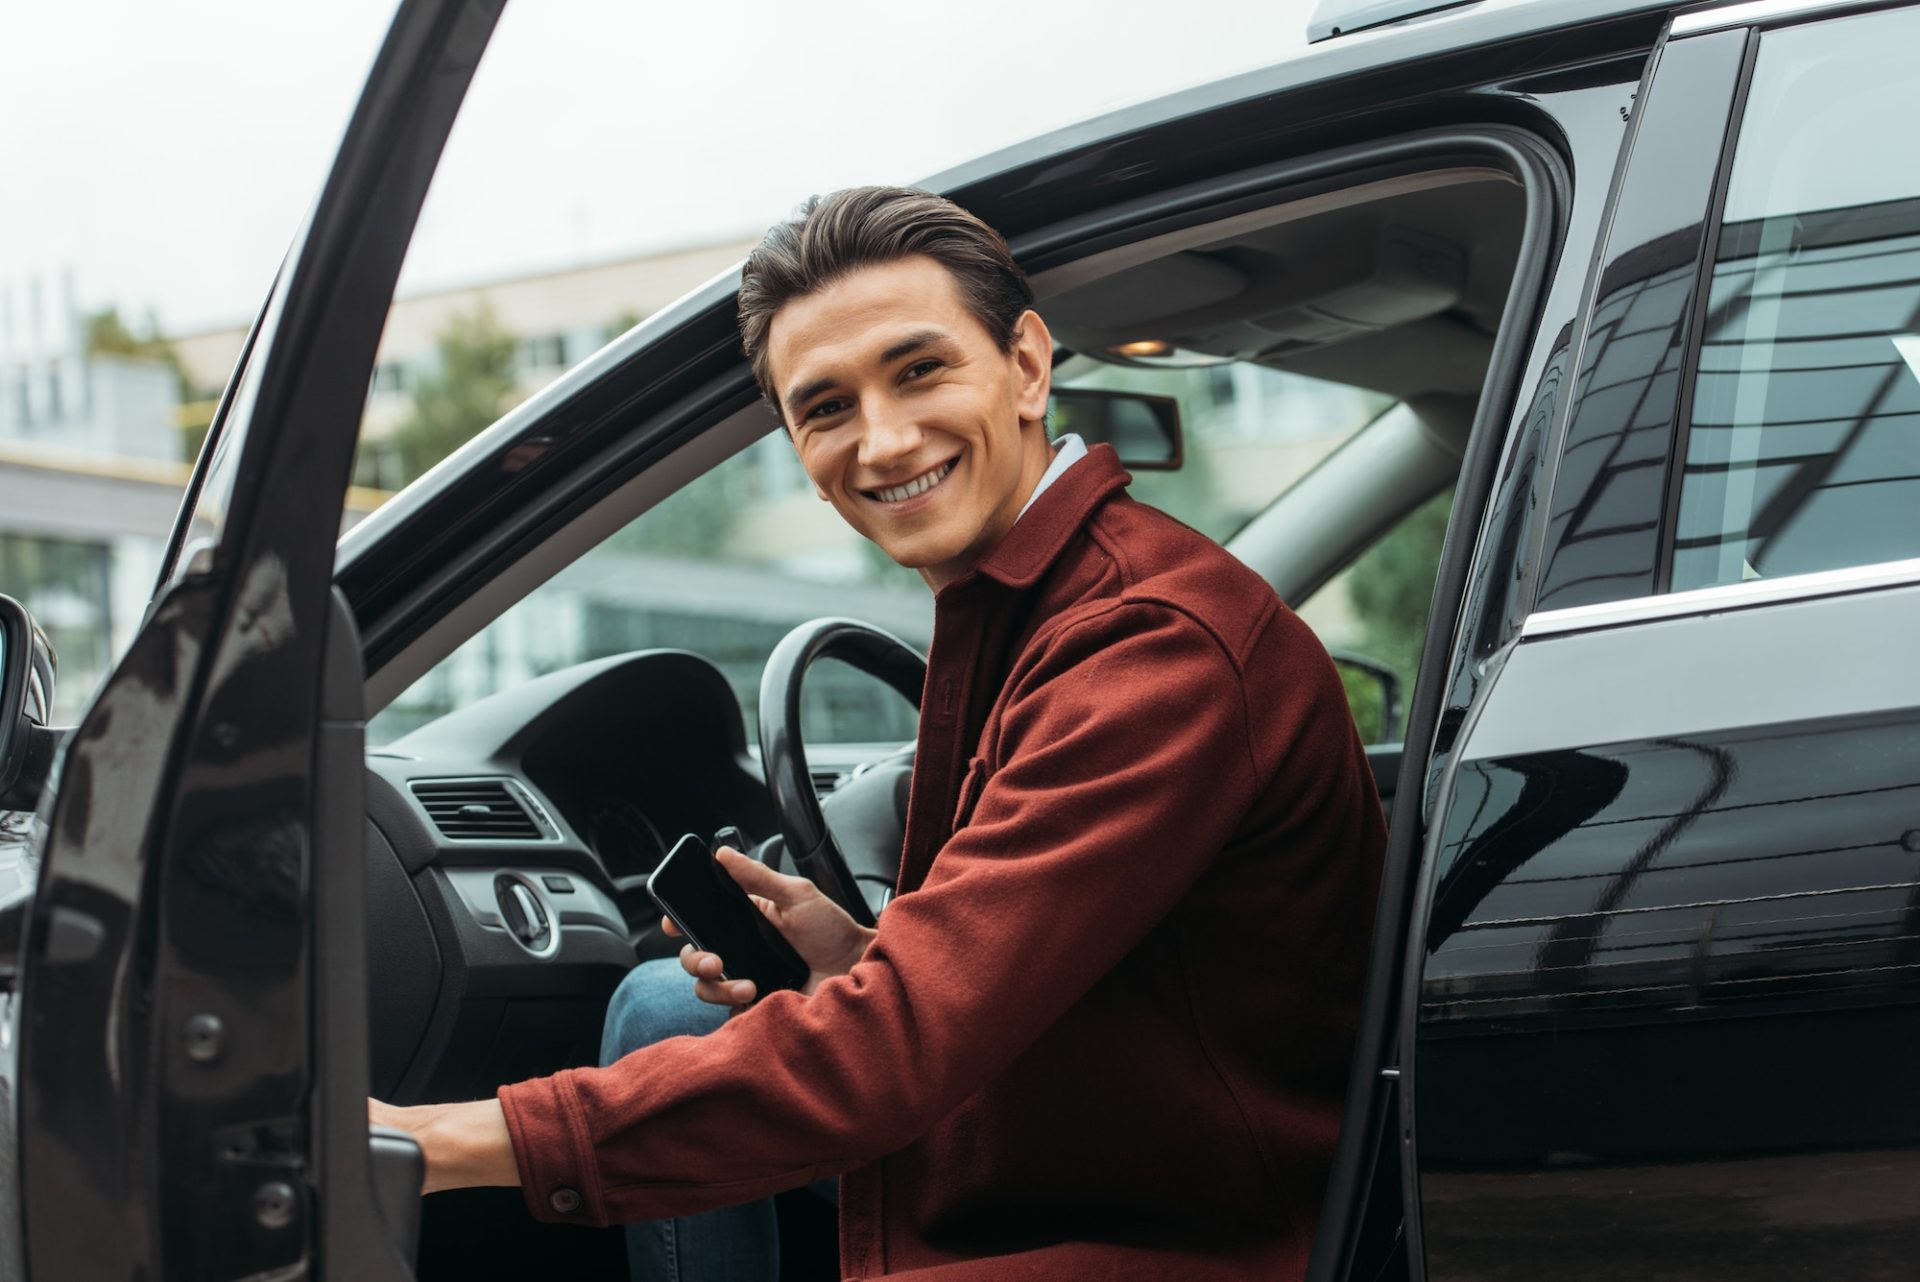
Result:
[{"x": 921, "y": 432}]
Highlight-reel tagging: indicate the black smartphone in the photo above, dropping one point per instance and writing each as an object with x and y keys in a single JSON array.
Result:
[{"x": 716, "y": 916}]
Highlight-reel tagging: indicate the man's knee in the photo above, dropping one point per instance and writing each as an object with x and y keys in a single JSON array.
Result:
[{"x": 654, "y": 1002}]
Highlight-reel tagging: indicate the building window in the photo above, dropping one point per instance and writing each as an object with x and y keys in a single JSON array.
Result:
[
  {"x": 548, "y": 351},
  {"x": 389, "y": 379}
]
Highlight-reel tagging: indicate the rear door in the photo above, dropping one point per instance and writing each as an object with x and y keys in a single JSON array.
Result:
[
  {"x": 192, "y": 1068},
  {"x": 1663, "y": 1014}
]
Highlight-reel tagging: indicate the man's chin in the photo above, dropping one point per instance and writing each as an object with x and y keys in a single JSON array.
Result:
[
  {"x": 911, "y": 558},
  {"x": 918, "y": 555}
]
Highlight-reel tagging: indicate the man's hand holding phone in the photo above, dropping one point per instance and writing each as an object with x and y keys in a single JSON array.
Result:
[{"x": 828, "y": 940}]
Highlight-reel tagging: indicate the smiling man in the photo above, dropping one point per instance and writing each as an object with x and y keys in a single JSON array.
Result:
[
  {"x": 910, "y": 419},
  {"x": 1104, "y": 1027}
]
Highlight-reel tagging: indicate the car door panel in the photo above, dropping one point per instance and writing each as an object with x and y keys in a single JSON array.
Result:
[
  {"x": 208, "y": 812},
  {"x": 1661, "y": 977},
  {"x": 1667, "y": 933}
]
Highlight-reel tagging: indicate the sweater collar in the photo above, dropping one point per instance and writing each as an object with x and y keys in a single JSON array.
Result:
[{"x": 1043, "y": 530}]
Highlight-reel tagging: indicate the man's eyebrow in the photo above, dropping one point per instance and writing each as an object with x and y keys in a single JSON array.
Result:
[
  {"x": 797, "y": 396},
  {"x": 911, "y": 344},
  {"x": 800, "y": 394}
]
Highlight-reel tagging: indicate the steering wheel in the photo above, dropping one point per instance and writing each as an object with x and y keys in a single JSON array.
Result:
[{"x": 810, "y": 843}]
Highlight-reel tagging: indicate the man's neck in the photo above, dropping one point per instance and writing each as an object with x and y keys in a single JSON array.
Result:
[{"x": 1037, "y": 470}]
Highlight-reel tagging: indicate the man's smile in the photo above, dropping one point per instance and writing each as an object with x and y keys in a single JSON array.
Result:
[{"x": 917, "y": 486}]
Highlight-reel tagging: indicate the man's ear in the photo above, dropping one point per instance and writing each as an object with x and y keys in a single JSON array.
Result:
[{"x": 1033, "y": 365}]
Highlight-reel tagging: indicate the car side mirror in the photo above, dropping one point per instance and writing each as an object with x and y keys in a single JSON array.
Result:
[
  {"x": 1373, "y": 695},
  {"x": 27, "y": 744},
  {"x": 1143, "y": 429}
]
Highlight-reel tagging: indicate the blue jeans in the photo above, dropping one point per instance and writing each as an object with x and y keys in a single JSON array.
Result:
[{"x": 738, "y": 1244}]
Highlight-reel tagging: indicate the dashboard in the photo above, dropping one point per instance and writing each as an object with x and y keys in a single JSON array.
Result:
[{"x": 508, "y": 847}]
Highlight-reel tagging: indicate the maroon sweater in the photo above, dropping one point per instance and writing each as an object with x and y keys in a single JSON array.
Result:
[{"x": 1105, "y": 1026}]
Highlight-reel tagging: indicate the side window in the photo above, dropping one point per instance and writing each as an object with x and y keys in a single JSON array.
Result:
[
  {"x": 1372, "y": 617},
  {"x": 1803, "y": 447},
  {"x": 725, "y": 567}
]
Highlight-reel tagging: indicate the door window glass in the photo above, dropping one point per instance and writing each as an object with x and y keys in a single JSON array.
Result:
[
  {"x": 1372, "y": 616},
  {"x": 1803, "y": 452},
  {"x": 724, "y": 567}
]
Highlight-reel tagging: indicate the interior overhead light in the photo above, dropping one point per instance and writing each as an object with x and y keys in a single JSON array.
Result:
[{"x": 1156, "y": 353}]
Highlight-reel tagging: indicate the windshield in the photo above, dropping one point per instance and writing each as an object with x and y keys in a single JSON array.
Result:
[{"x": 736, "y": 558}]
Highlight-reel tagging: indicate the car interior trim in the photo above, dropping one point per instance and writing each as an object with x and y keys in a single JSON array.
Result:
[
  {"x": 1317, "y": 519},
  {"x": 1085, "y": 269},
  {"x": 1723, "y": 597}
]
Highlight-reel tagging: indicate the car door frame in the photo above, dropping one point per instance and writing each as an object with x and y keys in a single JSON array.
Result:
[{"x": 190, "y": 1098}]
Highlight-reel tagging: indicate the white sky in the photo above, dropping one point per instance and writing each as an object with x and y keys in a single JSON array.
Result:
[{"x": 168, "y": 152}]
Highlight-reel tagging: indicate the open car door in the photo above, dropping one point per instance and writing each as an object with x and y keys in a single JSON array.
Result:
[{"x": 192, "y": 1070}]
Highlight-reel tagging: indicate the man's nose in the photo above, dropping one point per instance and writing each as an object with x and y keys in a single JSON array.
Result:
[{"x": 890, "y": 437}]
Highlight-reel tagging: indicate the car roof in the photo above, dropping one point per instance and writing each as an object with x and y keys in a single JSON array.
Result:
[{"x": 1408, "y": 43}]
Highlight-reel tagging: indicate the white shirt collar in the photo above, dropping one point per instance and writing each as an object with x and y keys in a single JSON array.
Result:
[{"x": 1067, "y": 451}]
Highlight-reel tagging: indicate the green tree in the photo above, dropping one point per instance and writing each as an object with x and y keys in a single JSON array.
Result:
[
  {"x": 470, "y": 386},
  {"x": 110, "y": 335},
  {"x": 1391, "y": 587}
]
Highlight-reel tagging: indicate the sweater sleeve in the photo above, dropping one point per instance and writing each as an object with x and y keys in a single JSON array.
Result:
[{"x": 1125, "y": 768}]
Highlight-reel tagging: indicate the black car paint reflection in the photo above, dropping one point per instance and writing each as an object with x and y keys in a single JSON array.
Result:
[{"x": 1678, "y": 977}]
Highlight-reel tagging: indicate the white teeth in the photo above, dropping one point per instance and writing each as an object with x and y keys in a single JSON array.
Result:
[{"x": 918, "y": 485}]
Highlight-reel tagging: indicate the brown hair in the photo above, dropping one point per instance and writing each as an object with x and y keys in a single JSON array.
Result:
[{"x": 837, "y": 234}]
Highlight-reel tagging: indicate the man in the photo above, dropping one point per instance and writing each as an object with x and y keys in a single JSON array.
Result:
[{"x": 1103, "y": 1029}]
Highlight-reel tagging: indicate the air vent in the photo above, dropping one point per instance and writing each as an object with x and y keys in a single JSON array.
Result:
[
  {"x": 825, "y": 781},
  {"x": 477, "y": 810}
]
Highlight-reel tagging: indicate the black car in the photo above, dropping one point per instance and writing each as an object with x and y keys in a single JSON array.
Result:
[{"x": 1636, "y": 292}]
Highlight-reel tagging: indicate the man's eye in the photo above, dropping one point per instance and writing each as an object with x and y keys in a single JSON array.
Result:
[
  {"x": 919, "y": 369},
  {"x": 826, "y": 409}
]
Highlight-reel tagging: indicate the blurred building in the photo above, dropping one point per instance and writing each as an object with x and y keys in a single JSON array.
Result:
[
  {"x": 556, "y": 318},
  {"x": 54, "y": 392},
  {"x": 90, "y": 478}
]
